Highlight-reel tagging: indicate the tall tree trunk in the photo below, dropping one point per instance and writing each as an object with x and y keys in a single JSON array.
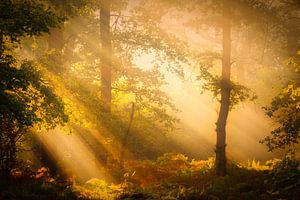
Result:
[
  {"x": 225, "y": 96},
  {"x": 106, "y": 52}
]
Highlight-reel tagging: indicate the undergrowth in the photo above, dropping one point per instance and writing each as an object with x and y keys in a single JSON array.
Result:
[{"x": 170, "y": 177}]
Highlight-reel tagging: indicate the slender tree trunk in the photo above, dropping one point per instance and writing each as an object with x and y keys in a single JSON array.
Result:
[
  {"x": 106, "y": 51},
  {"x": 126, "y": 136},
  {"x": 225, "y": 96}
]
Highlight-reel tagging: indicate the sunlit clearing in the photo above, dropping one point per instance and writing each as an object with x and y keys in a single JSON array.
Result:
[{"x": 73, "y": 156}]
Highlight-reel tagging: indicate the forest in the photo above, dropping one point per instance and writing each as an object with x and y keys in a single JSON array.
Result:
[{"x": 149, "y": 99}]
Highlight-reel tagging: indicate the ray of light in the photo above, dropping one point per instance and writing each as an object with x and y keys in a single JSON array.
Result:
[{"x": 72, "y": 154}]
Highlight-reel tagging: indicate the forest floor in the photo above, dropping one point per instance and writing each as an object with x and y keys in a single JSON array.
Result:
[{"x": 170, "y": 177}]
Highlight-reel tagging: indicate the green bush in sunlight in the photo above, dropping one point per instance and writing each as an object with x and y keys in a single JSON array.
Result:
[{"x": 97, "y": 189}]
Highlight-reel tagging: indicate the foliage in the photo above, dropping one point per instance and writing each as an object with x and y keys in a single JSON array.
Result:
[
  {"x": 26, "y": 98},
  {"x": 68, "y": 8},
  {"x": 78, "y": 77},
  {"x": 213, "y": 83},
  {"x": 284, "y": 178},
  {"x": 97, "y": 189},
  {"x": 142, "y": 33},
  {"x": 285, "y": 110},
  {"x": 26, "y": 18},
  {"x": 133, "y": 36},
  {"x": 196, "y": 179},
  {"x": 150, "y": 173},
  {"x": 174, "y": 177}
]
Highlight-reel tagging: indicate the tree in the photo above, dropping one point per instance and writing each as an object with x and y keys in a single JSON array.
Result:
[
  {"x": 25, "y": 97},
  {"x": 106, "y": 54},
  {"x": 233, "y": 12},
  {"x": 81, "y": 77},
  {"x": 221, "y": 16},
  {"x": 225, "y": 92}
]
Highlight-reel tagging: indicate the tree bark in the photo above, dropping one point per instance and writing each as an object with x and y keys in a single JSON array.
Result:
[
  {"x": 106, "y": 51},
  {"x": 225, "y": 96}
]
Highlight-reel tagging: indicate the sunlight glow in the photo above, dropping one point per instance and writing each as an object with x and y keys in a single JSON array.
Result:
[{"x": 73, "y": 155}]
